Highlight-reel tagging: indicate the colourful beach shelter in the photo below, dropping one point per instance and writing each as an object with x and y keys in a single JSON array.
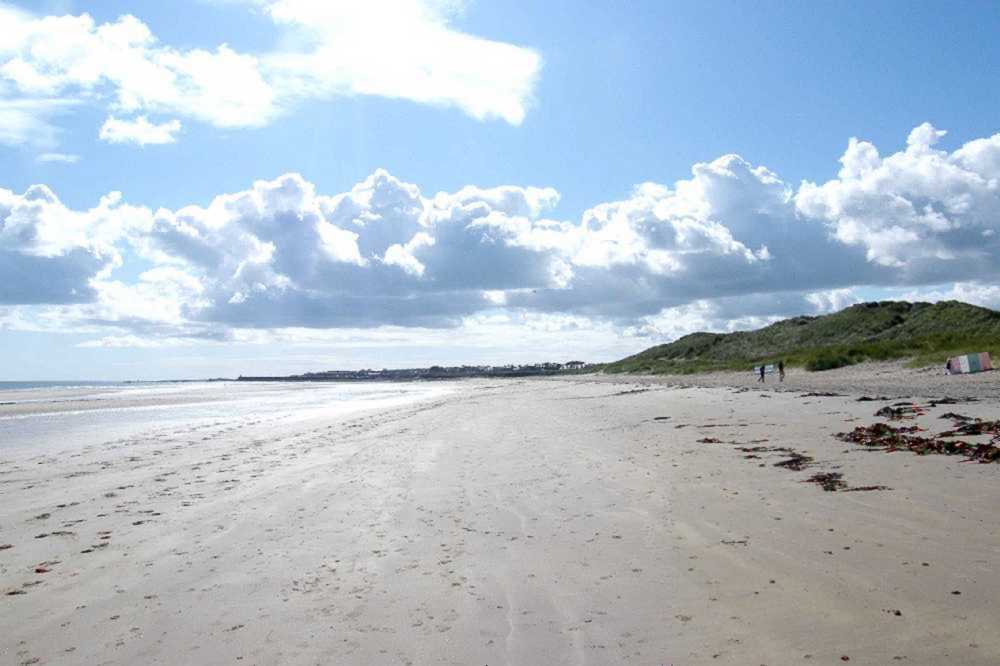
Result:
[{"x": 969, "y": 363}]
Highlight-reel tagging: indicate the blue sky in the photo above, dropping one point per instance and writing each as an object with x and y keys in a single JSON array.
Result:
[{"x": 588, "y": 99}]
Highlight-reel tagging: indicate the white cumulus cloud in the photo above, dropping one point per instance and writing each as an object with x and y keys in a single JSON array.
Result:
[
  {"x": 731, "y": 246},
  {"x": 401, "y": 48},
  {"x": 139, "y": 131},
  {"x": 405, "y": 49},
  {"x": 52, "y": 254},
  {"x": 924, "y": 213},
  {"x": 123, "y": 61}
]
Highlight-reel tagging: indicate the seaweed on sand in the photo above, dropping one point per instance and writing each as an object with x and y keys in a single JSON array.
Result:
[
  {"x": 969, "y": 427},
  {"x": 796, "y": 461},
  {"x": 829, "y": 481},
  {"x": 631, "y": 392},
  {"x": 888, "y": 438},
  {"x": 756, "y": 449},
  {"x": 901, "y": 410},
  {"x": 834, "y": 482},
  {"x": 951, "y": 401}
]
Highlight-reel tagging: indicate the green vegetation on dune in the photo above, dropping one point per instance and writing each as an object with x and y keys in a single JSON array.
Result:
[{"x": 923, "y": 332}]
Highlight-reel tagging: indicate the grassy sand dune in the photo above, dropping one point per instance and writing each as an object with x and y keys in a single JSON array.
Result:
[{"x": 926, "y": 334}]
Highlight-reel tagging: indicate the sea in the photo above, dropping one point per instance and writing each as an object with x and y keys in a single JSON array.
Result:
[
  {"x": 54, "y": 415},
  {"x": 71, "y": 383}
]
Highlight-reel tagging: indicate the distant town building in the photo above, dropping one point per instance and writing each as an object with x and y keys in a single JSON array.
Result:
[{"x": 433, "y": 372}]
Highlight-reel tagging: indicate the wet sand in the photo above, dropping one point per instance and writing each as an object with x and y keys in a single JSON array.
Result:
[{"x": 565, "y": 521}]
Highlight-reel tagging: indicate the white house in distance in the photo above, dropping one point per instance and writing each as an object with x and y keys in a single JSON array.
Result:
[{"x": 574, "y": 365}]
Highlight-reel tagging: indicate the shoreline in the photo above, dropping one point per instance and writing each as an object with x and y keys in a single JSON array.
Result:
[
  {"x": 564, "y": 521},
  {"x": 36, "y": 402}
]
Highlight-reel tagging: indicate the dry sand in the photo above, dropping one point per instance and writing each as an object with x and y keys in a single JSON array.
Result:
[
  {"x": 524, "y": 522},
  {"x": 891, "y": 379}
]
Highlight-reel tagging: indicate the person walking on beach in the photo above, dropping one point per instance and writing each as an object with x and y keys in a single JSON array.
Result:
[
  {"x": 762, "y": 374},
  {"x": 781, "y": 370}
]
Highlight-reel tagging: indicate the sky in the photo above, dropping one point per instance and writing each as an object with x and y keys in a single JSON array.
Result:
[{"x": 206, "y": 188}]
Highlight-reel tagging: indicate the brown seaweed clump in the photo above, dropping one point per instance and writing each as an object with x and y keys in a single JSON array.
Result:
[
  {"x": 889, "y": 438},
  {"x": 834, "y": 482},
  {"x": 901, "y": 410},
  {"x": 959, "y": 419},
  {"x": 796, "y": 461},
  {"x": 828, "y": 481},
  {"x": 968, "y": 427}
]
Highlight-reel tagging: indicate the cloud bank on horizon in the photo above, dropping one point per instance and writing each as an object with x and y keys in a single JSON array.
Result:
[
  {"x": 731, "y": 246},
  {"x": 402, "y": 49}
]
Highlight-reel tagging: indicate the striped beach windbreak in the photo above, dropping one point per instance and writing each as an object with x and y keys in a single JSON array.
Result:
[{"x": 968, "y": 363}]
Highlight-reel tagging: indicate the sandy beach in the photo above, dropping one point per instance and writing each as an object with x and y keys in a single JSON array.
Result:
[
  {"x": 891, "y": 379},
  {"x": 584, "y": 520}
]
